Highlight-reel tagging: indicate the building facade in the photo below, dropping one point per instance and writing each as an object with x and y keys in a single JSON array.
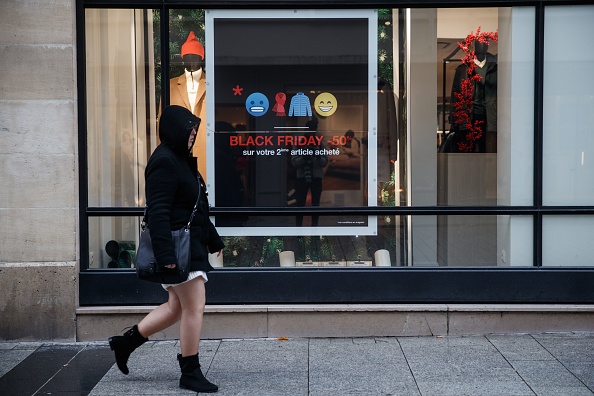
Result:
[{"x": 380, "y": 168}]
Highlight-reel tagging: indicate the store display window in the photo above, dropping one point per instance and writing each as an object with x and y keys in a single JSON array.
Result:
[{"x": 336, "y": 120}]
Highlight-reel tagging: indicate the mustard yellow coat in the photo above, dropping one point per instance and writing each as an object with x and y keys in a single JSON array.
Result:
[{"x": 178, "y": 95}]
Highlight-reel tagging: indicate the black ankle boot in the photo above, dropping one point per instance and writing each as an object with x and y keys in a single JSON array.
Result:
[
  {"x": 192, "y": 377},
  {"x": 124, "y": 345}
]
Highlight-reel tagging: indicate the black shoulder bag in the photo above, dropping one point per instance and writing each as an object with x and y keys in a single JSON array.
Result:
[{"x": 146, "y": 264}]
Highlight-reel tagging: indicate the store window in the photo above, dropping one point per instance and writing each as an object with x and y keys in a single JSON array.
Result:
[
  {"x": 121, "y": 123},
  {"x": 322, "y": 108},
  {"x": 568, "y": 152},
  {"x": 485, "y": 131},
  {"x": 568, "y": 156}
]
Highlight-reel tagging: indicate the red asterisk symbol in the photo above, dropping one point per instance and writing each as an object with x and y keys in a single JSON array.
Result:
[{"x": 237, "y": 90}]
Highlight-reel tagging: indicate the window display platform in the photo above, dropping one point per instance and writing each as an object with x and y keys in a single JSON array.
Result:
[{"x": 351, "y": 320}]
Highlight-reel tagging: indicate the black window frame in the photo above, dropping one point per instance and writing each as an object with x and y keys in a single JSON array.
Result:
[{"x": 536, "y": 284}]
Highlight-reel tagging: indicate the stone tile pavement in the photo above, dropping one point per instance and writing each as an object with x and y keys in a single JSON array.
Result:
[{"x": 519, "y": 364}]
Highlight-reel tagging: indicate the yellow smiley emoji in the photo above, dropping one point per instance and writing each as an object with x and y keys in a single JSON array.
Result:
[{"x": 325, "y": 104}]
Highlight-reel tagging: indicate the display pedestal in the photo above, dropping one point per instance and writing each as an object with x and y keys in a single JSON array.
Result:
[
  {"x": 467, "y": 180},
  {"x": 382, "y": 258},
  {"x": 215, "y": 260},
  {"x": 287, "y": 258}
]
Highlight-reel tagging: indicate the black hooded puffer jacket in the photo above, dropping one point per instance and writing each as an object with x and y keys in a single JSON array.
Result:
[{"x": 171, "y": 192}]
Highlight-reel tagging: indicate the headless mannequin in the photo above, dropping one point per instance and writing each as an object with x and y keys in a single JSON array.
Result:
[
  {"x": 192, "y": 62},
  {"x": 484, "y": 96},
  {"x": 480, "y": 51},
  {"x": 193, "y": 69}
]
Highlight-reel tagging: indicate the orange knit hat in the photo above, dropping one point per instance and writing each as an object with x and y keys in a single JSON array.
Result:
[{"x": 192, "y": 46}]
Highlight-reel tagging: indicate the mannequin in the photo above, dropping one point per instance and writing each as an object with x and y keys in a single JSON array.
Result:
[
  {"x": 189, "y": 91},
  {"x": 484, "y": 96}
]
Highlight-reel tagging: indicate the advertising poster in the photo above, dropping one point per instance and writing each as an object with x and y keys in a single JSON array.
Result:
[{"x": 292, "y": 118}]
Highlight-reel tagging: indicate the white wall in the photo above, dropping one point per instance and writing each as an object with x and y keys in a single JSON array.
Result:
[{"x": 459, "y": 22}]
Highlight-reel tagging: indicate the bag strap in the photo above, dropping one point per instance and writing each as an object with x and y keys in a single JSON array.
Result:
[
  {"x": 143, "y": 223},
  {"x": 196, "y": 204}
]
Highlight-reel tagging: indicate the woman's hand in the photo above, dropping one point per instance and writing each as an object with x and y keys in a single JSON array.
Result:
[{"x": 170, "y": 266}]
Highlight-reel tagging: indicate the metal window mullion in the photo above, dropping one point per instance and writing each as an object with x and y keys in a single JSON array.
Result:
[
  {"x": 538, "y": 133},
  {"x": 83, "y": 177}
]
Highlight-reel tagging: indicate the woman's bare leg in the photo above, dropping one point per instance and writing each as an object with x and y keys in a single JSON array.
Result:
[
  {"x": 192, "y": 298},
  {"x": 162, "y": 317}
]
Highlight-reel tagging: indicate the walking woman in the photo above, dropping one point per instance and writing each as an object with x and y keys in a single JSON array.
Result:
[{"x": 171, "y": 191}]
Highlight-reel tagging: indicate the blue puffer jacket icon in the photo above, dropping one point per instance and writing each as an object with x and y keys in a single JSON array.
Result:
[{"x": 300, "y": 105}]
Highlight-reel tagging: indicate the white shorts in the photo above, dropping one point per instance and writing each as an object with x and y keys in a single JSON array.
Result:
[{"x": 191, "y": 275}]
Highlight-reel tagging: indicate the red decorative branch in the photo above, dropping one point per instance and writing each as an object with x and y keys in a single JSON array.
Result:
[{"x": 463, "y": 106}]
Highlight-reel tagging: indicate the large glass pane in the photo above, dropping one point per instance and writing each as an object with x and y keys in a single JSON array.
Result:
[
  {"x": 350, "y": 108},
  {"x": 567, "y": 241},
  {"x": 485, "y": 106},
  {"x": 315, "y": 250},
  {"x": 469, "y": 122},
  {"x": 113, "y": 242},
  {"x": 467, "y": 245},
  {"x": 482, "y": 241},
  {"x": 121, "y": 106},
  {"x": 568, "y": 116}
]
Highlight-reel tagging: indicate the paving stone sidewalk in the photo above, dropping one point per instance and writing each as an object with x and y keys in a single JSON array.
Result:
[{"x": 522, "y": 364}]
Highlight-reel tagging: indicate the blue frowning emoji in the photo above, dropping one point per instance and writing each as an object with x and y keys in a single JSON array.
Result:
[{"x": 257, "y": 104}]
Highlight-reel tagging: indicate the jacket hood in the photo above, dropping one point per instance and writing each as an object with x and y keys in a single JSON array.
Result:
[{"x": 175, "y": 126}]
